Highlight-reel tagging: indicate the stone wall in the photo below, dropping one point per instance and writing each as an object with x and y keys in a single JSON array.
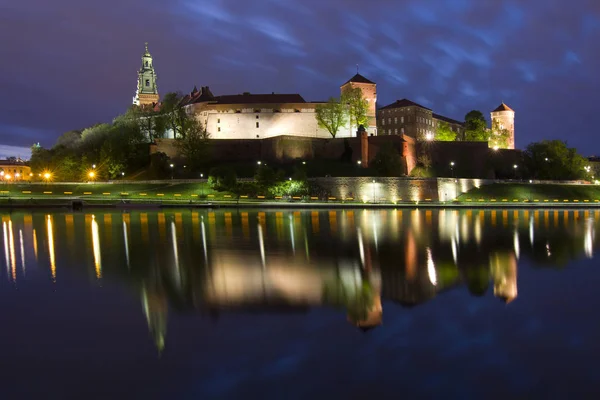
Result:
[{"x": 370, "y": 189}]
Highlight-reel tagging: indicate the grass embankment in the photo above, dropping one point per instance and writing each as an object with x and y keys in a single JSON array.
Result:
[
  {"x": 106, "y": 191},
  {"x": 521, "y": 192}
]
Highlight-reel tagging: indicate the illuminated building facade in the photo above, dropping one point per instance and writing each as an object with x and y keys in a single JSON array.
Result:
[
  {"x": 504, "y": 117},
  {"x": 14, "y": 170},
  {"x": 407, "y": 118}
]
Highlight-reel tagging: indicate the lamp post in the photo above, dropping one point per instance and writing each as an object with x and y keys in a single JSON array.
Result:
[
  {"x": 92, "y": 175},
  {"x": 201, "y": 186},
  {"x": 515, "y": 169},
  {"x": 172, "y": 166},
  {"x": 452, "y": 168},
  {"x": 122, "y": 182}
]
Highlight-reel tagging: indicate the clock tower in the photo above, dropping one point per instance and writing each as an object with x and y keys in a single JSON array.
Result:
[{"x": 147, "y": 91}]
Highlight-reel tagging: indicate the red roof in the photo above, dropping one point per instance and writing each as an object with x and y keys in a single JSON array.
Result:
[{"x": 503, "y": 107}]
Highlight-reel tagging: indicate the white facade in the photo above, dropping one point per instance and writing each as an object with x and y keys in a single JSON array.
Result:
[{"x": 246, "y": 123}]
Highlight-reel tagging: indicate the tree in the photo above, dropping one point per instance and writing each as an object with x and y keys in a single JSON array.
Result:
[
  {"x": 552, "y": 159},
  {"x": 193, "y": 146},
  {"x": 70, "y": 139},
  {"x": 499, "y": 137},
  {"x": 331, "y": 115},
  {"x": 357, "y": 106},
  {"x": 476, "y": 127},
  {"x": 388, "y": 161},
  {"x": 444, "y": 133}
]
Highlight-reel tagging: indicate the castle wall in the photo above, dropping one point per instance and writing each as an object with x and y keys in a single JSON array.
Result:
[
  {"x": 250, "y": 121},
  {"x": 370, "y": 189}
]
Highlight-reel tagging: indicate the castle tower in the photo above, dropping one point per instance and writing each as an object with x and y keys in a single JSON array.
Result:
[
  {"x": 369, "y": 90},
  {"x": 147, "y": 91},
  {"x": 504, "y": 116}
]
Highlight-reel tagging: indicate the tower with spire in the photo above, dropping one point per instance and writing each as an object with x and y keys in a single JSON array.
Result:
[{"x": 147, "y": 90}]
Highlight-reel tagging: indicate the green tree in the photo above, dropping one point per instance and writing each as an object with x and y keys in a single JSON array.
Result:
[
  {"x": 331, "y": 115},
  {"x": 476, "y": 127},
  {"x": 388, "y": 161},
  {"x": 499, "y": 137},
  {"x": 193, "y": 146},
  {"x": 70, "y": 139},
  {"x": 444, "y": 133},
  {"x": 357, "y": 107},
  {"x": 552, "y": 159}
]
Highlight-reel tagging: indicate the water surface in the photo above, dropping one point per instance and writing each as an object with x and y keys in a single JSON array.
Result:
[{"x": 299, "y": 304}]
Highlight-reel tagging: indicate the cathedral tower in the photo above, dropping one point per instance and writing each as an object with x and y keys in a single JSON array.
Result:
[
  {"x": 147, "y": 91},
  {"x": 369, "y": 90},
  {"x": 504, "y": 116}
]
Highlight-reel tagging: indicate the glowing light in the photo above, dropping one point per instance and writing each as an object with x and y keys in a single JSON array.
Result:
[
  {"x": 429, "y": 136},
  {"x": 92, "y": 174},
  {"x": 7, "y": 177},
  {"x": 531, "y": 230},
  {"x": 96, "y": 248},
  {"x": 495, "y": 148},
  {"x": 204, "y": 242},
  {"x": 359, "y": 162},
  {"x": 51, "y": 247},
  {"x": 431, "y": 268},
  {"x": 175, "y": 252},
  {"x": 47, "y": 176},
  {"x": 361, "y": 246},
  {"x": 17, "y": 175},
  {"x": 292, "y": 234},
  {"x": 35, "y": 245},
  {"x": 588, "y": 242}
]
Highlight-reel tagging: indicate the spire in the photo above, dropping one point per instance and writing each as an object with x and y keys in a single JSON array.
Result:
[
  {"x": 147, "y": 53},
  {"x": 147, "y": 89}
]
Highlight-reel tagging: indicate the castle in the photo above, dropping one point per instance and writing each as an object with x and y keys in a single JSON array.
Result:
[{"x": 263, "y": 116}]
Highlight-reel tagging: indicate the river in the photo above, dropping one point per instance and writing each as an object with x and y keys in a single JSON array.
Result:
[{"x": 299, "y": 304}]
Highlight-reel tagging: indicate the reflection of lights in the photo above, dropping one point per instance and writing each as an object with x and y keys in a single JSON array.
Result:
[
  {"x": 13, "y": 262},
  {"x": 22, "y": 250},
  {"x": 548, "y": 252},
  {"x": 126, "y": 241},
  {"x": 204, "y": 242},
  {"x": 361, "y": 246},
  {"x": 516, "y": 244},
  {"x": 531, "y": 230},
  {"x": 454, "y": 251},
  {"x": 6, "y": 252},
  {"x": 35, "y": 246},
  {"x": 431, "y": 268},
  {"x": 588, "y": 241},
  {"x": 51, "y": 247},
  {"x": 175, "y": 252},
  {"x": 292, "y": 234},
  {"x": 262, "y": 245},
  {"x": 96, "y": 248},
  {"x": 478, "y": 231}
]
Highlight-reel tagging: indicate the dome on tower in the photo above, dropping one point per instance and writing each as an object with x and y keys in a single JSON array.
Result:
[{"x": 503, "y": 107}]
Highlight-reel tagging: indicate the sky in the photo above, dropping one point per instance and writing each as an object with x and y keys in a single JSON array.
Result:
[{"x": 67, "y": 64}]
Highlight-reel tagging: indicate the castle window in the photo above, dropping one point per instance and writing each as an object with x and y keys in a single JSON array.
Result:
[
  {"x": 238, "y": 111},
  {"x": 218, "y": 120},
  {"x": 389, "y": 120},
  {"x": 257, "y": 117},
  {"x": 395, "y": 120},
  {"x": 383, "y": 122},
  {"x": 146, "y": 63},
  {"x": 402, "y": 119},
  {"x": 296, "y": 110},
  {"x": 277, "y": 110},
  {"x": 257, "y": 124},
  {"x": 219, "y": 129},
  {"x": 257, "y": 111},
  {"x": 402, "y": 130},
  {"x": 395, "y": 131},
  {"x": 147, "y": 82}
]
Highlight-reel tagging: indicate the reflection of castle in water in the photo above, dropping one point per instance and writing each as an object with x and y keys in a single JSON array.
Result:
[{"x": 215, "y": 262}]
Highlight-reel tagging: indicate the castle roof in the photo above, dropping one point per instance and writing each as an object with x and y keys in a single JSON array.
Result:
[
  {"x": 403, "y": 103},
  {"x": 503, "y": 107},
  {"x": 358, "y": 78},
  {"x": 248, "y": 98},
  {"x": 446, "y": 119}
]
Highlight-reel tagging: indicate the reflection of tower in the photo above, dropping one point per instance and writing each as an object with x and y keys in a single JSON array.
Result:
[
  {"x": 155, "y": 309},
  {"x": 368, "y": 289},
  {"x": 503, "y": 267},
  {"x": 147, "y": 90},
  {"x": 504, "y": 117}
]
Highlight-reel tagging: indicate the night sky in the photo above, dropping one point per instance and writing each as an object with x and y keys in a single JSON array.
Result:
[{"x": 67, "y": 64}]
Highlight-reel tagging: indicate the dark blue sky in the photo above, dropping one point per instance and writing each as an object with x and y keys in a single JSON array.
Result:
[{"x": 66, "y": 64}]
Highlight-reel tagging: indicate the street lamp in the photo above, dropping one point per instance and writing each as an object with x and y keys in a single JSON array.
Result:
[
  {"x": 359, "y": 162},
  {"x": 515, "y": 168},
  {"x": 373, "y": 191},
  {"x": 259, "y": 162},
  {"x": 172, "y": 165},
  {"x": 452, "y": 168},
  {"x": 92, "y": 175},
  {"x": 93, "y": 166}
]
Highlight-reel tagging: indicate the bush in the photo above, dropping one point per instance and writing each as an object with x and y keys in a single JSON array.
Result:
[{"x": 222, "y": 178}]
